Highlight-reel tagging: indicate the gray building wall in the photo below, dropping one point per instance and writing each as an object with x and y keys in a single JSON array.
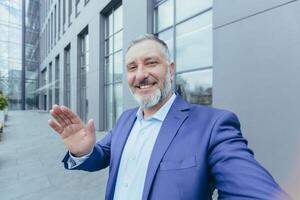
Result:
[{"x": 256, "y": 75}]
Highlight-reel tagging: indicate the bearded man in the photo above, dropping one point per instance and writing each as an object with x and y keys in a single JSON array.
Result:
[{"x": 166, "y": 148}]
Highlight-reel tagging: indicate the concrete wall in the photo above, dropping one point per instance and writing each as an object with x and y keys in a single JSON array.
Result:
[{"x": 256, "y": 75}]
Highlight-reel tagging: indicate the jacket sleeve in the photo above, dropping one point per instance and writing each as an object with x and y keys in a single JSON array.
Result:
[
  {"x": 235, "y": 172},
  {"x": 99, "y": 159}
]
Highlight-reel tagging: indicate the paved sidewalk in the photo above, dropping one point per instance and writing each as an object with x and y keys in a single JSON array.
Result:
[{"x": 30, "y": 163}]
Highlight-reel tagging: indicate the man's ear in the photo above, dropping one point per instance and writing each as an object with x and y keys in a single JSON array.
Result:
[{"x": 172, "y": 70}]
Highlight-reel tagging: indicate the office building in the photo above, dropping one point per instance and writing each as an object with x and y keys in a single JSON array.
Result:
[{"x": 241, "y": 56}]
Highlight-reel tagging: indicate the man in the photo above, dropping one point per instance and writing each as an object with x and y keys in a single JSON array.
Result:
[{"x": 166, "y": 148}]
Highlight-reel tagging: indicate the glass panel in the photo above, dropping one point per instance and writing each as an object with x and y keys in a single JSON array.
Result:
[
  {"x": 195, "y": 87},
  {"x": 167, "y": 36},
  {"x": 118, "y": 17},
  {"x": 194, "y": 43},
  {"x": 118, "y": 99},
  {"x": 15, "y": 51},
  {"x": 109, "y": 107},
  {"x": 118, "y": 41},
  {"x": 118, "y": 66},
  {"x": 164, "y": 15},
  {"x": 110, "y": 47},
  {"x": 110, "y": 25},
  {"x": 185, "y": 10},
  {"x": 15, "y": 35},
  {"x": 109, "y": 69}
]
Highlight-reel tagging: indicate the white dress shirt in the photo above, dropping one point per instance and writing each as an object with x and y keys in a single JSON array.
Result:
[{"x": 136, "y": 154}]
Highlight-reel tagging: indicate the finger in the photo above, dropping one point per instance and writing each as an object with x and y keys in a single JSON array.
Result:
[
  {"x": 67, "y": 132},
  {"x": 59, "y": 120},
  {"x": 90, "y": 127},
  {"x": 73, "y": 117},
  {"x": 55, "y": 126},
  {"x": 57, "y": 110}
]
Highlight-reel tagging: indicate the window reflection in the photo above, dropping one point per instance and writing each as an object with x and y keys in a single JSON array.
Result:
[
  {"x": 194, "y": 43},
  {"x": 167, "y": 36},
  {"x": 164, "y": 15},
  {"x": 118, "y": 19},
  {"x": 118, "y": 62},
  {"x": 118, "y": 39},
  {"x": 195, "y": 87},
  {"x": 185, "y": 10}
]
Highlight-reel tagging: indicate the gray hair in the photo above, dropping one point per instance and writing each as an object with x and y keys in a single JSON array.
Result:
[{"x": 152, "y": 37}]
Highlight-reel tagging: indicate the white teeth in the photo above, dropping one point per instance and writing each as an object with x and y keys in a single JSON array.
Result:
[{"x": 145, "y": 86}]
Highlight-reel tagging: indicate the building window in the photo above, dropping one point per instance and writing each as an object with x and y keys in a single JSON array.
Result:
[
  {"x": 44, "y": 93},
  {"x": 51, "y": 29},
  {"x": 83, "y": 55},
  {"x": 70, "y": 11},
  {"x": 59, "y": 17},
  {"x": 57, "y": 66},
  {"x": 50, "y": 85},
  {"x": 113, "y": 65},
  {"x": 187, "y": 29},
  {"x": 67, "y": 76},
  {"x": 64, "y": 13},
  {"x": 55, "y": 18},
  {"x": 76, "y": 7}
]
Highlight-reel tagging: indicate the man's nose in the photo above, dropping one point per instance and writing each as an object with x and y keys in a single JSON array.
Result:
[{"x": 141, "y": 73}]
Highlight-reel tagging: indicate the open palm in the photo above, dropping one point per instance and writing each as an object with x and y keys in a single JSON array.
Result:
[{"x": 78, "y": 138}]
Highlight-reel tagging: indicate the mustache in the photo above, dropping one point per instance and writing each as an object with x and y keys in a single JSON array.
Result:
[{"x": 145, "y": 81}]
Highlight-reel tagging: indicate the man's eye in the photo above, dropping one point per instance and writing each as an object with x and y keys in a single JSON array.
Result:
[
  {"x": 131, "y": 68},
  {"x": 152, "y": 63}
]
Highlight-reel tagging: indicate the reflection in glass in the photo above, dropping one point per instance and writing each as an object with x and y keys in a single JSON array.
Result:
[
  {"x": 118, "y": 19},
  {"x": 118, "y": 62},
  {"x": 194, "y": 43},
  {"x": 10, "y": 52},
  {"x": 109, "y": 69},
  {"x": 164, "y": 16},
  {"x": 109, "y": 106},
  {"x": 118, "y": 99},
  {"x": 118, "y": 41},
  {"x": 195, "y": 87},
  {"x": 167, "y": 37},
  {"x": 185, "y": 10}
]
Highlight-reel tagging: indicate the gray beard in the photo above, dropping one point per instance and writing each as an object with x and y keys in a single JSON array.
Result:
[{"x": 158, "y": 95}]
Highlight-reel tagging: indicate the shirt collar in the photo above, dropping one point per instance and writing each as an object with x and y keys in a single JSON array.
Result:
[{"x": 161, "y": 113}]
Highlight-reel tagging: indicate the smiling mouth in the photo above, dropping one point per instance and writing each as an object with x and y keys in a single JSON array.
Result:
[{"x": 145, "y": 86}]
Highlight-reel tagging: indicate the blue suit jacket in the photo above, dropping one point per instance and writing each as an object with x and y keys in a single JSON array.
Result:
[{"x": 197, "y": 150}]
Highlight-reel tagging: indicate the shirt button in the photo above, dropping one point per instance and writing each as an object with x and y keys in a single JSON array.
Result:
[{"x": 126, "y": 185}]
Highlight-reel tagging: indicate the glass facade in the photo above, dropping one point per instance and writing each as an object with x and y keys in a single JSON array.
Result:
[
  {"x": 113, "y": 65},
  {"x": 187, "y": 29},
  {"x": 67, "y": 76},
  {"x": 56, "y": 90},
  {"x": 11, "y": 51},
  {"x": 82, "y": 74},
  {"x": 32, "y": 53}
]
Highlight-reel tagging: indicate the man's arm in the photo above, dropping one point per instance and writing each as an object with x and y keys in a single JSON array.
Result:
[
  {"x": 99, "y": 157},
  {"x": 236, "y": 174}
]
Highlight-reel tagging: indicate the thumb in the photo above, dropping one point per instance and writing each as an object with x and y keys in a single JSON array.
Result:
[{"x": 90, "y": 127}]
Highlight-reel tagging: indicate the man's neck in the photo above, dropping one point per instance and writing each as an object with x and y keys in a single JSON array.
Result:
[{"x": 148, "y": 112}]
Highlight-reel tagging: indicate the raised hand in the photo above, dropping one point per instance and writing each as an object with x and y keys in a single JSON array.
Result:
[{"x": 78, "y": 138}]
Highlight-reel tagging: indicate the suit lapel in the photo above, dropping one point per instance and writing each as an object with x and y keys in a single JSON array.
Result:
[
  {"x": 116, "y": 153},
  {"x": 169, "y": 128}
]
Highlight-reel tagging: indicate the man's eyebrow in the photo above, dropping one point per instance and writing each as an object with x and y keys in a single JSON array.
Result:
[
  {"x": 130, "y": 63},
  {"x": 151, "y": 58}
]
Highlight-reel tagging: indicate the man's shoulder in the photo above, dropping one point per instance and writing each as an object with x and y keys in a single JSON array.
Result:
[{"x": 210, "y": 112}]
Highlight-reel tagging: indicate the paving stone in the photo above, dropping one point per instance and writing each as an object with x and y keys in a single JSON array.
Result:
[{"x": 31, "y": 167}]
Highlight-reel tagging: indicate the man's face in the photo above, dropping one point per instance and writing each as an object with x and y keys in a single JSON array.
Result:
[{"x": 149, "y": 73}]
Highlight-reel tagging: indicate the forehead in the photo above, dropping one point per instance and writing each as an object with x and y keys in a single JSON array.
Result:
[{"x": 144, "y": 49}]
